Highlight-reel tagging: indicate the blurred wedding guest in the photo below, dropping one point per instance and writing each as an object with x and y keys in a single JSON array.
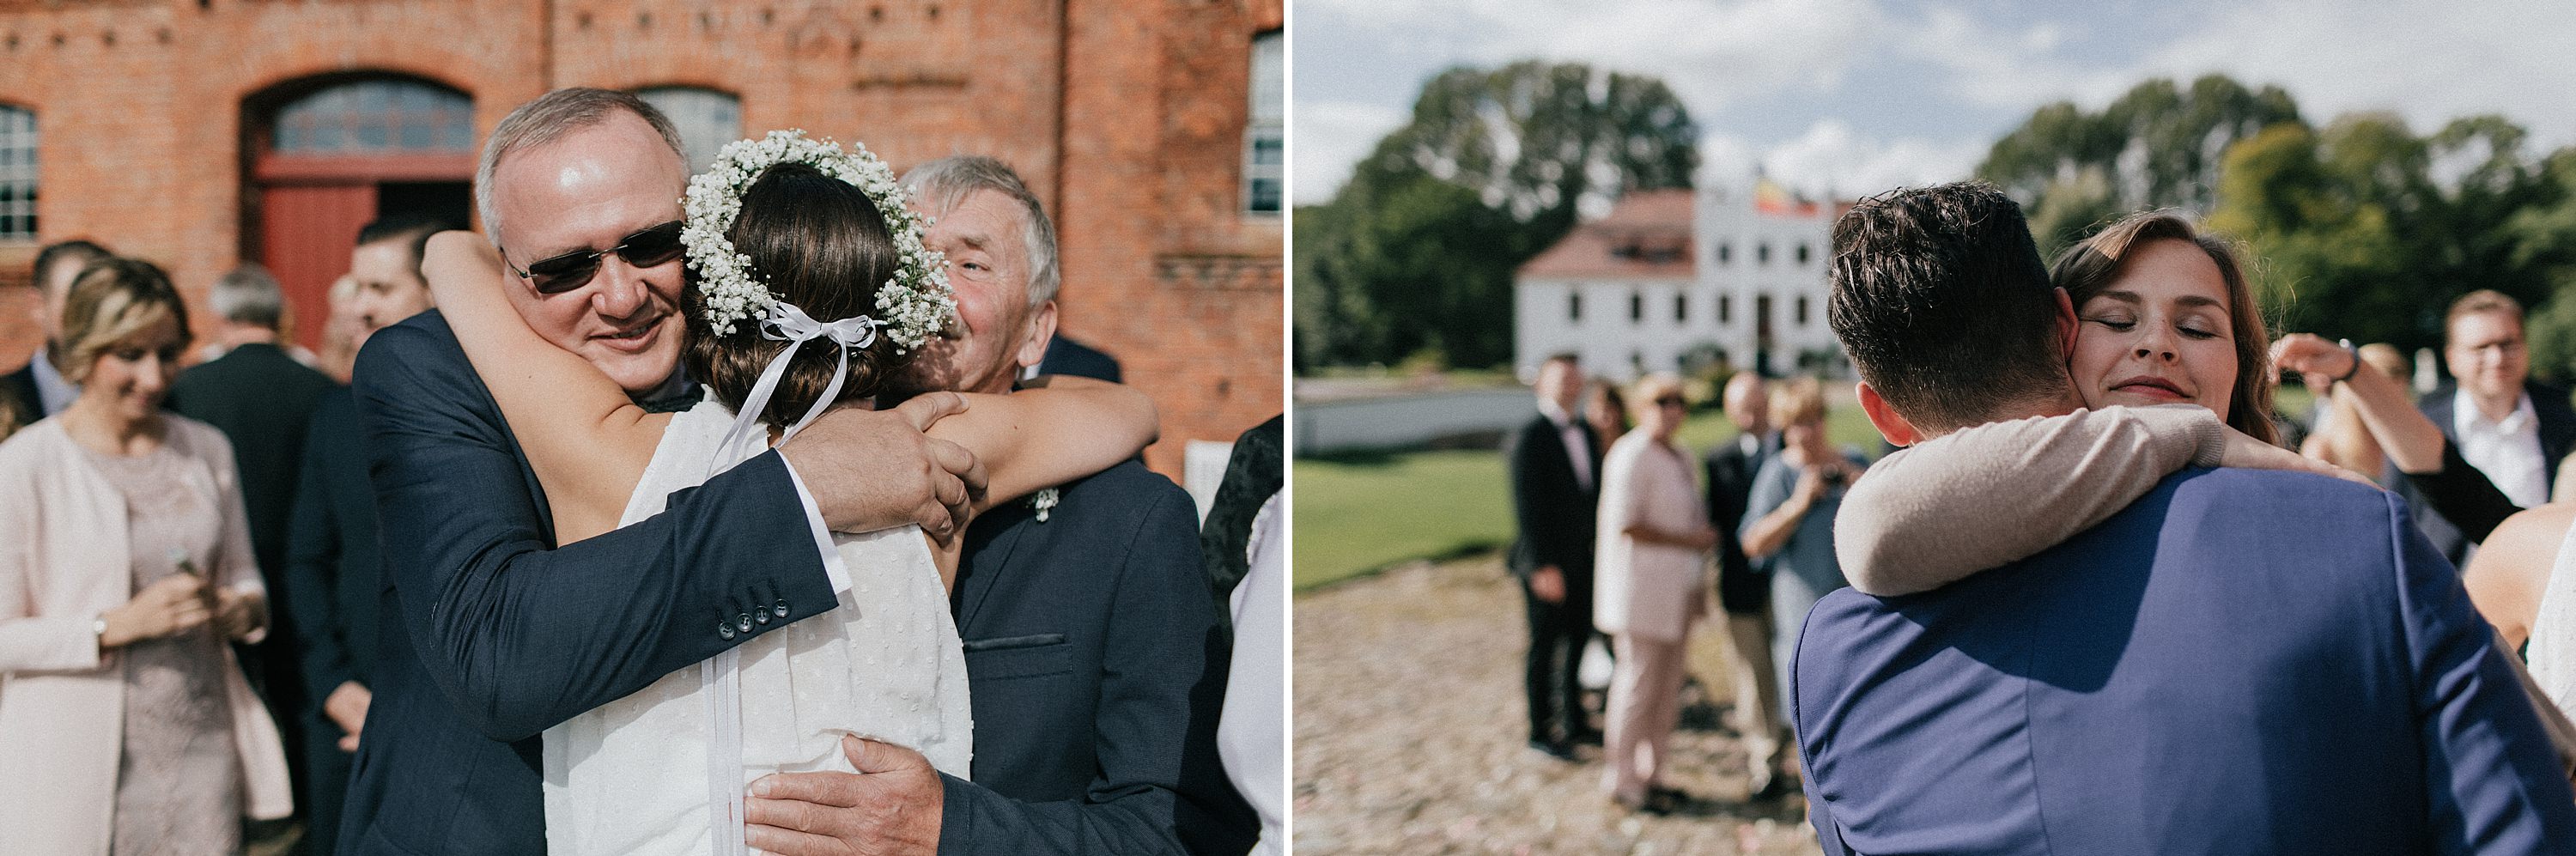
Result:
[
  {"x": 2510, "y": 428},
  {"x": 2340, "y": 437},
  {"x": 1648, "y": 591},
  {"x": 1606, "y": 412},
  {"x": 1744, "y": 594},
  {"x": 333, "y": 579},
  {"x": 262, "y": 399},
  {"x": 125, "y": 564},
  {"x": 340, "y": 335},
  {"x": 38, "y": 389},
  {"x": 1553, "y": 463},
  {"x": 1254, "y": 470},
  {"x": 1788, "y": 529}
]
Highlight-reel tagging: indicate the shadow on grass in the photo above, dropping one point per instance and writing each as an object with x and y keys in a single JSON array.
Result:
[{"x": 1468, "y": 549}]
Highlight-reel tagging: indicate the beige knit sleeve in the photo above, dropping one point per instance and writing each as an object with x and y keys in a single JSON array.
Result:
[{"x": 1980, "y": 497}]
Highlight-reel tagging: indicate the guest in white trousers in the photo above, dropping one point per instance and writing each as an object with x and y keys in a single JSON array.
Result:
[{"x": 1648, "y": 589}]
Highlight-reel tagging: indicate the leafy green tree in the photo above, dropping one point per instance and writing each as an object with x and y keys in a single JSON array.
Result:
[
  {"x": 2158, "y": 146},
  {"x": 1416, "y": 251}
]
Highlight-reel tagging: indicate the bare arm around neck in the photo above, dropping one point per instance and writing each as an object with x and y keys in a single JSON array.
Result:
[
  {"x": 587, "y": 442},
  {"x": 1062, "y": 429}
]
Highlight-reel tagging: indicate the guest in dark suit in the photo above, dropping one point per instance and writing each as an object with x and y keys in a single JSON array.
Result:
[
  {"x": 1556, "y": 488},
  {"x": 38, "y": 389},
  {"x": 334, "y": 577},
  {"x": 263, "y": 401},
  {"x": 2143, "y": 685},
  {"x": 1064, "y": 356},
  {"x": 502, "y": 633},
  {"x": 1742, "y": 592},
  {"x": 2512, "y": 429},
  {"x": 1095, "y": 648}
]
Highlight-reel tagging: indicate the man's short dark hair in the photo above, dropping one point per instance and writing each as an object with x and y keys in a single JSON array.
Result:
[
  {"x": 87, "y": 252},
  {"x": 1940, "y": 299},
  {"x": 412, "y": 229}
]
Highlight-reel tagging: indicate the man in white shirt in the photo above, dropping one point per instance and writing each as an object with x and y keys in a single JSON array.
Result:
[
  {"x": 1555, "y": 476},
  {"x": 2509, "y": 428}
]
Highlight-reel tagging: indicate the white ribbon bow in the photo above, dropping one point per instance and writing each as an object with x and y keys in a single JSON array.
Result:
[{"x": 786, "y": 323}]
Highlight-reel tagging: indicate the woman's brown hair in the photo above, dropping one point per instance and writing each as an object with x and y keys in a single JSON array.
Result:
[
  {"x": 2089, "y": 267},
  {"x": 820, "y": 244}
]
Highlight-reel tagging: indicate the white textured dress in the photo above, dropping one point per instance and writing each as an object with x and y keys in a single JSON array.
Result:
[
  {"x": 2552, "y": 650},
  {"x": 633, "y": 775}
]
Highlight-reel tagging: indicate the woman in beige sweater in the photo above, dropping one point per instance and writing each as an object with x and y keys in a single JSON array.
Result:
[{"x": 1647, "y": 589}]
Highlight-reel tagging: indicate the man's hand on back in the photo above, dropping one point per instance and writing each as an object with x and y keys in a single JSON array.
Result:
[
  {"x": 890, "y": 806},
  {"x": 875, "y": 469}
]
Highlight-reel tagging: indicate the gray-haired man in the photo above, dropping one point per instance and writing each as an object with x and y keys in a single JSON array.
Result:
[{"x": 1093, "y": 643}]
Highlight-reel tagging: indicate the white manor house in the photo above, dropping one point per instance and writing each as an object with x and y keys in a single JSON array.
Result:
[{"x": 1672, "y": 279}]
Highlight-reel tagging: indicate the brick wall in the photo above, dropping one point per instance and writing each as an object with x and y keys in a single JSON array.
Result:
[{"x": 1126, "y": 116}]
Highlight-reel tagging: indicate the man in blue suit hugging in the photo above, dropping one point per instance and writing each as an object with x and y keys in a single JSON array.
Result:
[{"x": 2242, "y": 660}]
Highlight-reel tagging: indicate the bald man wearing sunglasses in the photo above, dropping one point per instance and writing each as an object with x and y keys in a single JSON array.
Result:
[{"x": 505, "y": 633}]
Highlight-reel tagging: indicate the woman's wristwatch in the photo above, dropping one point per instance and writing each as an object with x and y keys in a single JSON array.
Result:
[
  {"x": 98, "y": 631},
  {"x": 2350, "y": 354}
]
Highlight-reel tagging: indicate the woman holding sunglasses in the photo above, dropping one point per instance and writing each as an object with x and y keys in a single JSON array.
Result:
[{"x": 1647, "y": 590}]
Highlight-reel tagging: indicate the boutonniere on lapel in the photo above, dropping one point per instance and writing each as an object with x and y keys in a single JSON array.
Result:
[{"x": 1044, "y": 501}]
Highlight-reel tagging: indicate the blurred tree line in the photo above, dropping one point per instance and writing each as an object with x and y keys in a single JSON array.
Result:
[
  {"x": 1413, "y": 258},
  {"x": 2361, "y": 228}
]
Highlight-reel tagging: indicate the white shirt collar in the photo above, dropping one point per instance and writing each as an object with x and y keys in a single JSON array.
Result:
[
  {"x": 2466, "y": 417},
  {"x": 53, "y": 391},
  {"x": 1555, "y": 414}
]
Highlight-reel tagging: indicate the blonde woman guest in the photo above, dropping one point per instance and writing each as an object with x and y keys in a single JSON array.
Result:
[
  {"x": 1788, "y": 528},
  {"x": 125, "y": 566},
  {"x": 1648, "y": 589}
]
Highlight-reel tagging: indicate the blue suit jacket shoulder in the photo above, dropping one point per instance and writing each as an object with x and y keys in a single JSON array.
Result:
[
  {"x": 2241, "y": 661},
  {"x": 1098, "y": 663}
]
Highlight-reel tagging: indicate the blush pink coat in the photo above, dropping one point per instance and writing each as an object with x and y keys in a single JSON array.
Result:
[{"x": 63, "y": 561}]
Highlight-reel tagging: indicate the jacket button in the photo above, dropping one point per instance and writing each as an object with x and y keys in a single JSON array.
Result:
[
  {"x": 724, "y": 629},
  {"x": 744, "y": 623},
  {"x": 760, "y": 617},
  {"x": 778, "y": 609}
]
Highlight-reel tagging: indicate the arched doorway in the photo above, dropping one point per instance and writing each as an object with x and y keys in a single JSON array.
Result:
[{"x": 328, "y": 155}]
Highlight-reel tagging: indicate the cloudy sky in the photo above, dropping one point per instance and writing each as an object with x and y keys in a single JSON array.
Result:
[{"x": 1855, "y": 96}]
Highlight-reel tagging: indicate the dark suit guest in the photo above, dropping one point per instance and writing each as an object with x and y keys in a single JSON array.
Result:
[
  {"x": 2511, "y": 429},
  {"x": 262, "y": 399},
  {"x": 1743, "y": 593},
  {"x": 38, "y": 389},
  {"x": 2145, "y": 684},
  {"x": 334, "y": 577},
  {"x": 1555, "y": 473}
]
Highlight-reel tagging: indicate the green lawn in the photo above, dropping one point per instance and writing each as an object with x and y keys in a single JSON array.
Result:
[{"x": 1357, "y": 514}]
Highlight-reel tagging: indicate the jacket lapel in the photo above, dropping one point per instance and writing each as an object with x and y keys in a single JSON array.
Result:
[{"x": 989, "y": 560}]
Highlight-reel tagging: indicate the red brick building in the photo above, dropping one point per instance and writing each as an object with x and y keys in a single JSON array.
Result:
[{"x": 201, "y": 134}]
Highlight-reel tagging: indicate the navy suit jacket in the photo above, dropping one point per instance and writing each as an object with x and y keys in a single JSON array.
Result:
[
  {"x": 1097, "y": 663},
  {"x": 333, "y": 573},
  {"x": 1555, "y": 512},
  {"x": 499, "y": 634},
  {"x": 2242, "y": 661},
  {"x": 1064, "y": 356}
]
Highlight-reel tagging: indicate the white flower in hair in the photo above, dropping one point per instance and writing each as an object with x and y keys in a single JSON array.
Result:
[{"x": 914, "y": 304}]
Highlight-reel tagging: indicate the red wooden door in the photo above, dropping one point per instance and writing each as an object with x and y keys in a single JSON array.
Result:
[{"x": 306, "y": 232}]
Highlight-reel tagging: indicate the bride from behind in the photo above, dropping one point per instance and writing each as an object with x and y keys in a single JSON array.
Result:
[{"x": 808, "y": 286}]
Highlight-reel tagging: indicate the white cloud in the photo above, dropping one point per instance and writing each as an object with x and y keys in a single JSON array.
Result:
[
  {"x": 1328, "y": 137},
  {"x": 1831, "y": 161},
  {"x": 2428, "y": 61}
]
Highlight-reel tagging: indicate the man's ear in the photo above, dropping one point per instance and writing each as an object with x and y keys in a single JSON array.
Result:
[
  {"x": 1041, "y": 328},
  {"x": 2065, "y": 326},
  {"x": 1896, "y": 428}
]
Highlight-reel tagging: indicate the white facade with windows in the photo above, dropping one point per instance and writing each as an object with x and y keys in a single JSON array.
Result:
[{"x": 1746, "y": 285}]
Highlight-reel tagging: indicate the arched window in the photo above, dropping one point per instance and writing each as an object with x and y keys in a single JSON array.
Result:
[
  {"x": 17, "y": 174},
  {"x": 705, "y": 118},
  {"x": 383, "y": 116}
]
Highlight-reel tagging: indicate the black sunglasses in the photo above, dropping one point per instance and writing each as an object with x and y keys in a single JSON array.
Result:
[
  {"x": 1671, "y": 401},
  {"x": 654, "y": 246}
]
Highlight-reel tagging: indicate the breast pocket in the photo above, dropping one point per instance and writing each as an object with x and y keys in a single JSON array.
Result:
[{"x": 1003, "y": 658}]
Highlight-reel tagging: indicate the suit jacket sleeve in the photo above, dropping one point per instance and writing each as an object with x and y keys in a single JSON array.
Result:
[
  {"x": 1160, "y": 788},
  {"x": 2491, "y": 778},
  {"x": 312, "y": 569},
  {"x": 1540, "y": 505},
  {"x": 2464, "y": 495},
  {"x": 521, "y": 634}
]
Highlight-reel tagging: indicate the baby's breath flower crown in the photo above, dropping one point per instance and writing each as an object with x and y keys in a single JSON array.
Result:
[{"x": 914, "y": 304}]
